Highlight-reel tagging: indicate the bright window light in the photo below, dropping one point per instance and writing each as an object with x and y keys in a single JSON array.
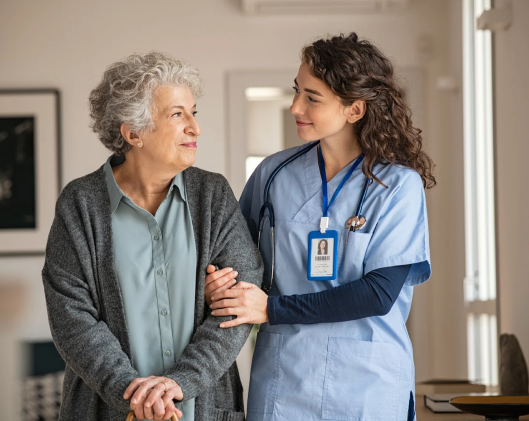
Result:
[
  {"x": 251, "y": 164},
  {"x": 482, "y": 348},
  {"x": 480, "y": 234},
  {"x": 263, "y": 94}
]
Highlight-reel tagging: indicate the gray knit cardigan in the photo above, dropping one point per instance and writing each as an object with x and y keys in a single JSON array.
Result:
[{"x": 86, "y": 313}]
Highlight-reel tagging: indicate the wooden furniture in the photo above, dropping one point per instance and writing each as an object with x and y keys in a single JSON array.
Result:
[{"x": 424, "y": 414}]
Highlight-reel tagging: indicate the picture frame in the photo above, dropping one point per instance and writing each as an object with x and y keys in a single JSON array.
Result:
[{"x": 30, "y": 168}]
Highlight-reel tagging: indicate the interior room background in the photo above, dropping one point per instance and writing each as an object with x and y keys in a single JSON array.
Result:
[{"x": 68, "y": 44}]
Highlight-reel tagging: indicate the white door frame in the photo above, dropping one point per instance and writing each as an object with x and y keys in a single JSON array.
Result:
[{"x": 237, "y": 130}]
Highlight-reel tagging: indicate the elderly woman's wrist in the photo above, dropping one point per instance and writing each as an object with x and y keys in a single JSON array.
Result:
[{"x": 183, "y": 383}]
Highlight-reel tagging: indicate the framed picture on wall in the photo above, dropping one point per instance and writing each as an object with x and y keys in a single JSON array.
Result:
[{"x": 30, "y": 178}]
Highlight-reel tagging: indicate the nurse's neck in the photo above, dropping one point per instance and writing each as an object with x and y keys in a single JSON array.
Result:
[{"x": 338, "y": 153}]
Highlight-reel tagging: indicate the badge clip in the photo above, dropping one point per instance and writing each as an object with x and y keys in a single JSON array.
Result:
[{"x": 324, "y": 224}]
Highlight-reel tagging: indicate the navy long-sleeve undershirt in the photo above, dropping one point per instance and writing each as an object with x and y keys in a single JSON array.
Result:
[{"x": 372, "y": 295}]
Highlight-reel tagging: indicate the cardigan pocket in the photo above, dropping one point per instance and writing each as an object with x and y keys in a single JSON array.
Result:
[{"x": 225, "y": 415}]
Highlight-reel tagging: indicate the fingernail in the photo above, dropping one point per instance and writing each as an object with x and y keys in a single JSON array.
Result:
[
  {"x": 134, "y": 401},
  {"x": 234, "y": 281},
  {"x": 222, "y": 325},
  {"x": 213, "y": 312},
  {"x": 236, "y": 273},
  {"x": 230, "y": 269},
  {"x": 147, "y": 404}
]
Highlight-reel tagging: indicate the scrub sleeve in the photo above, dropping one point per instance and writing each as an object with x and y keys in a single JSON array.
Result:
[{"x": 401, "y": 233}]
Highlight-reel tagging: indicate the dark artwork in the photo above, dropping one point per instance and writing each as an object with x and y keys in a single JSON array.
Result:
[
  {"x": 43, "y": 358},
  {"x": 42, "y": 388},
  {"x": 17, "y": 173}
]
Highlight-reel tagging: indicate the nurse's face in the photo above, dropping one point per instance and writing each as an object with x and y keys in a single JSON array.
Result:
[{"x": 319, "y": 112}]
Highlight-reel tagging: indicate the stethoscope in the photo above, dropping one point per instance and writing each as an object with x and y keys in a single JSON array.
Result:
[{"x": 353, "y": 224}]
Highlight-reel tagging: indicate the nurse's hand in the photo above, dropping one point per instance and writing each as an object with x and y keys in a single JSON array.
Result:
[
  {"x": 246, "y": 301},
  {"x": 218, "y": 281}
]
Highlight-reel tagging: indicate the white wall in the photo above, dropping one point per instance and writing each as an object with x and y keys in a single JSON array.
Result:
[
  {"x": 512, "y": 148},
  {"x": 68, "y": 44}
]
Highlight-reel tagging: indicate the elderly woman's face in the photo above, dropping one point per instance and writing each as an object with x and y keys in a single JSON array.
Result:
[{"x": 173, "y": 142}]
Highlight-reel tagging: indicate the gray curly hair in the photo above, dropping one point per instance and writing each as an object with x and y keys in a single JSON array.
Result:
[{"x": 125, "y": 95}]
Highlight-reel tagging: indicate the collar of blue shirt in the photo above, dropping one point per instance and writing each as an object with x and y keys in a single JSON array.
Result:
[{"x": 116, "y": 194}]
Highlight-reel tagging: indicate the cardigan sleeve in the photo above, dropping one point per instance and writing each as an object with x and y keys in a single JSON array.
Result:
[
  {"x": 212, "y": 350},
  {"x": 82, "y": 338}
]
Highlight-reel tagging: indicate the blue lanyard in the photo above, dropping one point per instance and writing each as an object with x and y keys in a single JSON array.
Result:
[{"x": 326, "y": 206}]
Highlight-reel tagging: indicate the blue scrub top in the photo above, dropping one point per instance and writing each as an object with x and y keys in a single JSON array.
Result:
[{"x": 355, "y": 370}]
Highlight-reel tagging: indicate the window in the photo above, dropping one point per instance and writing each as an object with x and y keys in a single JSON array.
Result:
[
  {"x": 480, "y": 238},
  {"x": 252, "y": 162}
]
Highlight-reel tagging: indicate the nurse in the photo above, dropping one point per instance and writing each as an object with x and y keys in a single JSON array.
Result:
[{"x": 333, "y": 343}]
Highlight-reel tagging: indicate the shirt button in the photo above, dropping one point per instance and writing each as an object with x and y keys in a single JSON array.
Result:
[
  {"x": 156, "y": 237},
  {"x": 168, "y": 353},
  {"x": 160, "y": 272},
  {"x": 164, "y": 312}
]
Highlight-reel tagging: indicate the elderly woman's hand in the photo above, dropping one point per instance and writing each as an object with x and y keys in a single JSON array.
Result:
[
  {"x": 152, "y": 397},
  {"x": 219, "y": 280},
  {"x": 246, "y": 301}
]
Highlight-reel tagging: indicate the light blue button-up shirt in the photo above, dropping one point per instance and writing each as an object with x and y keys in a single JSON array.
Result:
[{"x": 155, "y": 259}]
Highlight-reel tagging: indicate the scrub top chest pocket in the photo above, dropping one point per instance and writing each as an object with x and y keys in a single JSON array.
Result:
[{"x": 352, "y": 254}]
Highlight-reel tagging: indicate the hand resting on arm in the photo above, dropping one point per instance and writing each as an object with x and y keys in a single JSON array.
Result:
[{"x": 372, "y": 295}]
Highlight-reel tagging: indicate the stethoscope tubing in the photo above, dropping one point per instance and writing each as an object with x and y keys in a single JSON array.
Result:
[
  {"x": 364, "y": 195},
  {"x": 283, "y": 165}
]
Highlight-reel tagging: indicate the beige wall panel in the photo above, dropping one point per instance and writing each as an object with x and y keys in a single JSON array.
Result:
[{"x": 512, "y": 149}]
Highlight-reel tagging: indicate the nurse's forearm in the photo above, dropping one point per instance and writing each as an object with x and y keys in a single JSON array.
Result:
[{"x": 372, "y": 295}]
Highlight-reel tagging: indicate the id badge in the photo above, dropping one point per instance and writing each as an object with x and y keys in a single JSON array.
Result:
[{"x": 323, "y": 255}]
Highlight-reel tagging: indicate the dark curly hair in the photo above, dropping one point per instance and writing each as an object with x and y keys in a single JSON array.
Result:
[{"x": 357, "y": 70}]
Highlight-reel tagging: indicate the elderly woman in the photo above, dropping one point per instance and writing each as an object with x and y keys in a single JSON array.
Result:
[{"x": 127, "y": 254}]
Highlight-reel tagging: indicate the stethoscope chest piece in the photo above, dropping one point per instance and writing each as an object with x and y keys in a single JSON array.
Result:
[{"x": 355, "y": 223}]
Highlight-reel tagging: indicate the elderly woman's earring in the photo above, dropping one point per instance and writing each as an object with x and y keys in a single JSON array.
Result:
[{"x": 140, "y": 144}]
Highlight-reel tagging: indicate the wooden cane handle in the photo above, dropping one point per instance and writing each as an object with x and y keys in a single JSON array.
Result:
[{"x": 132, "y": 416}]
